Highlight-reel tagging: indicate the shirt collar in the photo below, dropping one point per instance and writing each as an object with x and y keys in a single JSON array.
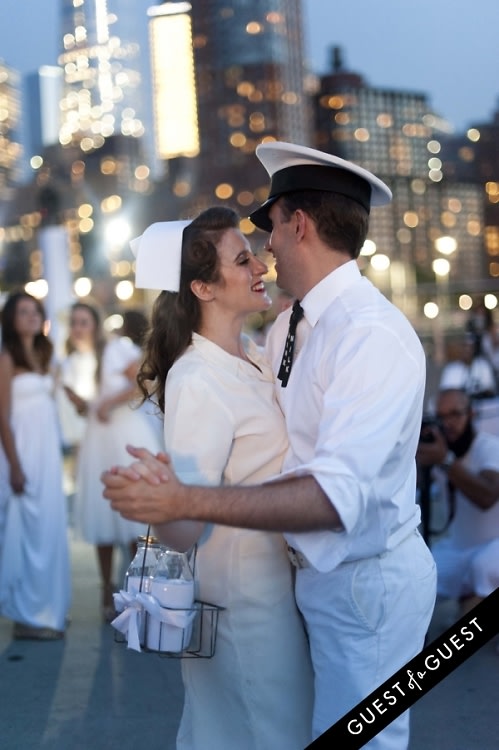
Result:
[
  {"x": 331, "y": 286},
  {"x": 227, "y": 361}
]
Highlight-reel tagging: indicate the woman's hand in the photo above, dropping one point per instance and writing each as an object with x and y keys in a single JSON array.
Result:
[
  {"x": 79, "y": 403},
  {"x": 153, "y": 469},
  {"x": 17, "y": 480},
  {"x": 104, "y": 410},
  {"x": 147, "y": 491}
]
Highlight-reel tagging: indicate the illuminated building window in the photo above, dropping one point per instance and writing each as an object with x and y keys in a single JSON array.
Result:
[
  {"x": 176, "y": 121},
  {"x": 384, "y": 120},
  {"x": 361, "y": 134},
  {"x": 411, "y": 219},
  {"x": 224, "y": 191},
  {"x": 466, "y": 154}
]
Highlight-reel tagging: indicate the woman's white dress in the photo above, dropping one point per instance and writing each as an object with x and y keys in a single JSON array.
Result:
[
  {"x": 223, "y": 426},
  {"x": 35, "y": 572},
  {"x": 104, "y": 445},
  {"x": 77, "y": 371}
]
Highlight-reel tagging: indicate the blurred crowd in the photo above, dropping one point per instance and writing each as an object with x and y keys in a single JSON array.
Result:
[{"x": 64, "y": 418}]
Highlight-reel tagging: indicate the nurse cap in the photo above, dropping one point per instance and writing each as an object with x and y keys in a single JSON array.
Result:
[
  {"x": 158, "y": 253},
  {"x": 292, "y": 168}
]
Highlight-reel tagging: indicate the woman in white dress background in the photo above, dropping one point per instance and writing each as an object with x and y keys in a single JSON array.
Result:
[
  {"x": 113, "y": 420},
  {"x": 224, "y": 426},
  {"x": 35, "y": 584},
  {"x": 77, "y": 377}
]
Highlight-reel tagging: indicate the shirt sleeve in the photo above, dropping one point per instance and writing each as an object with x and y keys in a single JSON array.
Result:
[
  {"x": 119, "y": 354},
  {"x": 364, "y": 458},
  {"x": 488, "y": 452},
  {"x": 198, "y": 430},
  {"x": 368, "y": 431}
]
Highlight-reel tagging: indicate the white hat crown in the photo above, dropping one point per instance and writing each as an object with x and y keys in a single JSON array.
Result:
[
  {"x": 293, "y": 168},
  {"x": 158, "y": 256}
]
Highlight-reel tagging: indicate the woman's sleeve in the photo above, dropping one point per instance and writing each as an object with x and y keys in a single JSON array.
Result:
[
  {"x": 198, "y": 430},
  {"x": 118, "y": 354}
]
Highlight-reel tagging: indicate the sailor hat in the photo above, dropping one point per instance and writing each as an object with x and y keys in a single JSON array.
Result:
[
  {"x": 158, "y": 254},
  {"x": 292, "y": 168}
]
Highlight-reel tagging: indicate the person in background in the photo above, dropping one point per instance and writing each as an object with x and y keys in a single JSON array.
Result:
[
  {"x": 35, "y": 584},
  {"x": 350, "y": 378},
  {"x": 136, "y": 328},
  {"x": 113, "y": 419},
  {"x": 470, "y": 371},
  {"x": 77, "y": 378},
  {"x": 466, "y": 468},
  {"x": 223, "y": 425},
  {"x": 489, "y": 342}
]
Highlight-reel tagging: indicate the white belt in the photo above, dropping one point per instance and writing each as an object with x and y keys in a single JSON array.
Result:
[{"x": 297, "y": 559}]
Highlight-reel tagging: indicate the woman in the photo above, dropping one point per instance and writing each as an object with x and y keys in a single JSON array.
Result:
[
  {"x": 112, "y": 421},
  {"x": 77, "y": 380},
  {"x": 35, "y": 567},
  {"x": 78, "y": 373},
  {"x": 223, "y": 426}
]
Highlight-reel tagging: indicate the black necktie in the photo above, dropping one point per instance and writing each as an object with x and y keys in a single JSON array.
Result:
[{"x": 287, "y": 356}]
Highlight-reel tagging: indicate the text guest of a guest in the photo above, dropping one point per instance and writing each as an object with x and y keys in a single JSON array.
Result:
[{"x": 432, "y": 662}]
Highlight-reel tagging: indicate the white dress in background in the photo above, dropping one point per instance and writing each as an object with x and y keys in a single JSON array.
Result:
[
  {"x": 77, "y": 371},
  {"x": 103, "y": 445},
  {"x": 35, "y": 572},
  {"x": 223, "y": 426}
]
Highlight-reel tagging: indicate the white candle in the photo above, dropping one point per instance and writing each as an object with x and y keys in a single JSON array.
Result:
[{"x": 175, "y": 594}]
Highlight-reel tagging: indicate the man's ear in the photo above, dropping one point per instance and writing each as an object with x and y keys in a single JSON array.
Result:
[
  {"x": 202, "y": 290},
  {"x": 301, "y": 220}
]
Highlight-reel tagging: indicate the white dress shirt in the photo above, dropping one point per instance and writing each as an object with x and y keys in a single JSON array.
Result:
[
  {"x": 471, "y": 525},
  {"x": 353, "y": 408}
]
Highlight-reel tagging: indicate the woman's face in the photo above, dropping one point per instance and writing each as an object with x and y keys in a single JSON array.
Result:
[
  {"x": 28, "y": 319},
  {"x": 81, "y": 327},
  {"x": 240, "y": 288}
]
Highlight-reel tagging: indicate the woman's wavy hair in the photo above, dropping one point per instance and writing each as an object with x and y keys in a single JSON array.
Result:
[
  {"x": 177, "y": 315},
  {"x": 12, "y": 342}
]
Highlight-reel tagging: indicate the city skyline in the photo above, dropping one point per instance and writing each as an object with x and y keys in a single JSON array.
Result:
[{"x": 423, "y": 47}]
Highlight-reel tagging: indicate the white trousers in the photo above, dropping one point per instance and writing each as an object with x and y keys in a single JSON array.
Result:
[
  {"x": 365, "y": 620},
  {"x": 463, "y": 572}
]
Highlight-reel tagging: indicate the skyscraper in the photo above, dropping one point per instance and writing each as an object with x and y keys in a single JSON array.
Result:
[
  {"x": 43, "y": 91},
  {"x": 102, "y": 71},
  {"x": 248, "y": 86},
  {"x": 10, "y": 146},
  {"x": 395, "y": 134}
]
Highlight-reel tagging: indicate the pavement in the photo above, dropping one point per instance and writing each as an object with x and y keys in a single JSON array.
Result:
[{"x": 88, "y": 692}]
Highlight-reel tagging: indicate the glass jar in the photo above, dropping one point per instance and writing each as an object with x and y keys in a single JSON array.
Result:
[
  {"x": 172, "y": 585},
  {"x": 139, "y": 573}
]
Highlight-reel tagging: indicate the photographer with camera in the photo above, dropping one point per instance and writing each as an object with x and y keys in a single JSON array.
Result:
[{"x": 465, "y": 461}]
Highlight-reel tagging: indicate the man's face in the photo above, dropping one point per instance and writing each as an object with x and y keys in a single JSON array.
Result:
[
  {"x": 282, "y": 246},
  {"x": 453, "y": 414}
]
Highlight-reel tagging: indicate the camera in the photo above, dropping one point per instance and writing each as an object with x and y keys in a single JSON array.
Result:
[{"x": 428, "y": 424}]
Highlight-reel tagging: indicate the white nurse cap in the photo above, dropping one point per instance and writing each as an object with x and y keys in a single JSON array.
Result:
[{"x": 158, "y": 253}]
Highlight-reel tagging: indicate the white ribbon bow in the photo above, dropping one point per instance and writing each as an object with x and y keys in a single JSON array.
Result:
[
  {"x": 132, "y": 606},
  {"x": 127, "y": 622}
]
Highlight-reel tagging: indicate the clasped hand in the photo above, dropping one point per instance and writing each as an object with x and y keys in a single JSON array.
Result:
[{"x": 147, "y": 490}]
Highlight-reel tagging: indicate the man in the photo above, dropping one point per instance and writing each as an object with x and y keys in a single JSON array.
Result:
[
  {"x": 472, "y": 372},
  {"x": 353, "y": 403},
  {"x": 468, "y": 461}
]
